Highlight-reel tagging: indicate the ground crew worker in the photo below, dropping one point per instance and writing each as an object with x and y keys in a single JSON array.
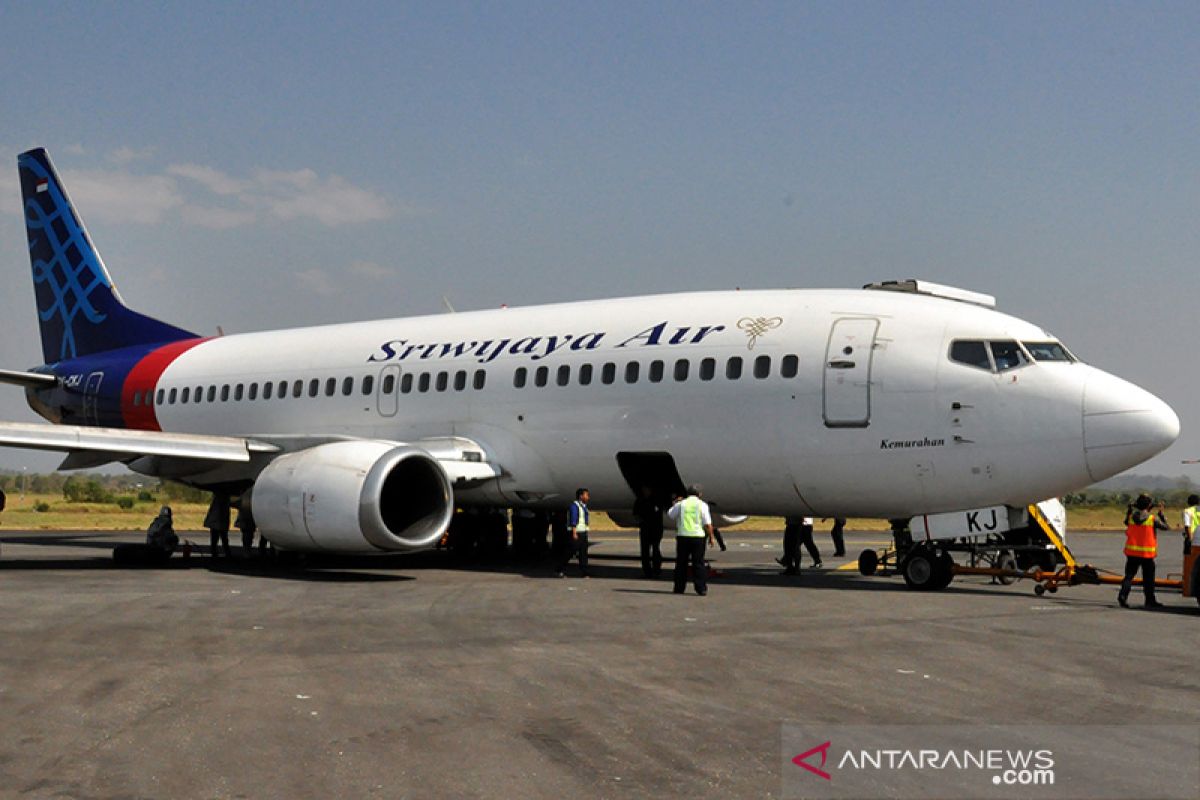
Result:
[
  {"x": 835, "y": 533},
  {"x": 649, "y": 513},
  {"x": 791, "y": 545},
  {"x": 217, "y": 522},
  {"x": 1141, "y": 547},
  {"x": 1191, "y": 521},
  {"x": 577, "y": 534},
  {"x": 244, "y": 522},
  {"x": 806, "y": 539},
  {"x": 693, "y": 523}
]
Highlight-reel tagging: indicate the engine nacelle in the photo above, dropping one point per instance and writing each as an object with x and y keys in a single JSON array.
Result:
[{"x": 353, "y": 497}]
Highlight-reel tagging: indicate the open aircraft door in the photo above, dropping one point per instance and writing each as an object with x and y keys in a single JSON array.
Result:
[
  {"x": 847, "y": 391},
  {"x": 91, "y": 398}
]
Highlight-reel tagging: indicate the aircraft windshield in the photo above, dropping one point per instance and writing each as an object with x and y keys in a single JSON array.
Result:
[
  {"x": 1047, "y": 351},
  {"x": 1008, "y": 355}
]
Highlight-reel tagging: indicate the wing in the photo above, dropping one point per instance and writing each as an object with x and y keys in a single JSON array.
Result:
[{"x": 179, "y": 454}]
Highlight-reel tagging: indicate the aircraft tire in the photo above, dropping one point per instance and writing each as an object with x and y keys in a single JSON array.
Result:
[
  {"x": 943, "y": 571},
  {"x": 1006, "y": 561},
  {"x": 920, "y": 569},
  {"x": 868, "y": 562}
]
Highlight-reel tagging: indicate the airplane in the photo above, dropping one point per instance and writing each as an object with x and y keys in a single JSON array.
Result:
[{"x": 900, "y": 399}]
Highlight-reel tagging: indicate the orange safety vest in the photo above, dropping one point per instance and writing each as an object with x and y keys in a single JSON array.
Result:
[{"x": 1141, "y": 540}]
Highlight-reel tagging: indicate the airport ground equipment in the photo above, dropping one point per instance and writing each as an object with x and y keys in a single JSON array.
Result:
[{"x": 1004, "y": 543}]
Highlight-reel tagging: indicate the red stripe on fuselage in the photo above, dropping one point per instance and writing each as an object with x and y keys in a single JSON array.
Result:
[{"x": 143, "y": 380}]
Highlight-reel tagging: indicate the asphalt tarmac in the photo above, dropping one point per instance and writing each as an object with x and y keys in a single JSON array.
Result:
[{"x": 419, "y": 677}]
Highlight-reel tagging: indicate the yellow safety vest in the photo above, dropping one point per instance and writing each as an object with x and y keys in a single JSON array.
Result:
[{"x": 691, "y": 518}]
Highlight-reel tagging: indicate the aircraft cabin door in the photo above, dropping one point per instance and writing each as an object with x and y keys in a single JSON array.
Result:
[
  {"x": 91, "y": 398},
  {"x": 847, "y": 392},
  {"x": 389, "y": 391}
]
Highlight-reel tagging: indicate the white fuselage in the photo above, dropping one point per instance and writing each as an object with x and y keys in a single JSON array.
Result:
[{"x": 861, "y": 410}]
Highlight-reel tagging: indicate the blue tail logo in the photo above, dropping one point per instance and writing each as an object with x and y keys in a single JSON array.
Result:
[{"x": 78, "y": 307}]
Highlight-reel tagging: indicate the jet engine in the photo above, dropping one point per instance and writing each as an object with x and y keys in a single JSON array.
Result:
[{"x": 353, "y": 497}]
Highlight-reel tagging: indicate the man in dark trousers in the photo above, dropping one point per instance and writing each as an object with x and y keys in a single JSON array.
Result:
[
  {"x": 244, "y": 522},
  {"x": 791, "y": 545},
  {"x": 1141, "y": 546},
  {"x": 577, "y": 534},
  {"x": 806, "y": 539},
  {"x": 835, "y": 533},
  {"x": 693, "y": 522},
  {"x": 217, "y": 522},
  {"x": 649, "y": 513}
]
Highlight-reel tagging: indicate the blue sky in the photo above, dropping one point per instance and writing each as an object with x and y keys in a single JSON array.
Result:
[{"x": 364, "y": 160}]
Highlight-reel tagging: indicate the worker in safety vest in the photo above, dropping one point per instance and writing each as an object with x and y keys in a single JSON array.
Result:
[
  {"x": 1191, "y": 521},
  {"x": 1141, "y": 546},
  {"x": 577, "y": 530},
  {"x": 693, "y": 527}
]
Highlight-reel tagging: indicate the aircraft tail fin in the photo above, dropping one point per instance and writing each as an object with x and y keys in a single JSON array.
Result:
[{"x": 79, "y": 309}]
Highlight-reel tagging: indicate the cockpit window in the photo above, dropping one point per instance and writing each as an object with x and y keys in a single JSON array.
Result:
[
  {"x": 1048, "y": 351},
  {"x": 1008, "y": 355},
  {"x": 972, "y": 354}
]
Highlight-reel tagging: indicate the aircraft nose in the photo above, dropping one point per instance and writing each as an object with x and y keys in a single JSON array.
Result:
[{"x": 1123, "y": 425}]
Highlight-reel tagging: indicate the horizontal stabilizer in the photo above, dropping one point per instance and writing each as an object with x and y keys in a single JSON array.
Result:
[{"x": 32, "y": 380}]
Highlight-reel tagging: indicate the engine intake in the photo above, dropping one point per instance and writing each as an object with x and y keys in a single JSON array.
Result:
[{"x": 353, "y": 497}]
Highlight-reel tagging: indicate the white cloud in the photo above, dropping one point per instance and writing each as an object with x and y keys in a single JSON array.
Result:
[
  {"x": 369, "y": 269},
  {"x": 331, "y": 201},
  {"x": 316, "y": 281},
  {"x": 216, "y": 218},
  {"x": 214, "y": 180},
  {"x": 126, "y": 155},
  {"x": 120, "y": 196},
  {"x": 204, "y": 196}
]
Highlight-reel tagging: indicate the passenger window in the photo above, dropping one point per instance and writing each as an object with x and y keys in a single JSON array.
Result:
[
  {"x": 443, "y": 380},
  {"x": 368, "y": 384},
  {"x": 460, "y": 380},
  {"x": 519, "y": 377},
  {"x": 631, "y": 372},
  {"x": 480, "y": 378},
  {"x": 161, "y": 396},
  {"x": 185, "y": 395},
  {"x": 389, "y": 383},
  {"x": 708, "y": 369},
  {"x": 540, "y": 376},
  {"x": 789, "y": 367},
  {"x": 406, "y": 382},
  {"x": 655, "y": 373},
  {"x": 1048, "y": 351},
  {"x": 314, "y": 387},
  {"x": 330, "y": 386},
  {"x": 137, "y": 398},
  {"x": 762, "y": 367},
  {"x": 973, "y": 354},
  {"x": 423, "y": 382},
  {"x": 171, "y": 397},
  {"x": 225, "y": 393},
  {"x": 1008, "y": 355},
  {"x": 297, "y": 389},
  {"x": 585, "y": 374},
  {"x": 733, "y": 368},
  {"x": 564, "y": 375},
  {"x": 281, "y": 393},
  {"x": 254, "y": 391},
  {"x": 268, "y": 390},
  {"x": 212, "y": 393},
  {"x": 238, "y": 391},
  {"x": 347, "y": 386},
  {"x": 681, "y": 369},
  {"x": 608, "y": 373}
]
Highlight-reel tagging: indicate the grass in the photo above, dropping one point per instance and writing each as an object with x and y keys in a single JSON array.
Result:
[{"x": 20, "y": 515}]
